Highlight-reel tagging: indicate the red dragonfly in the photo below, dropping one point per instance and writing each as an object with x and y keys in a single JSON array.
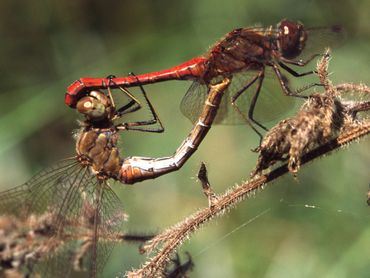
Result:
[
  {"x": 75, "y": 206},
  {"x": 242, "y": 55}
]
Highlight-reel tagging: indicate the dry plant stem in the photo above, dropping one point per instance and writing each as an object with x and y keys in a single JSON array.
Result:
[
  {"x": 174, "y": 236},
  {"x": 206, "y": 186},
  {"x": 360, "y": 107},
  {"x": 322, "y": 72},
  {"x": 351, "y": 87}
]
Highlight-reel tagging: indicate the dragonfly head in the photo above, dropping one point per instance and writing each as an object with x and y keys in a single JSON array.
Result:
[
  {"x": 291, "y": 38},
  {"x": 96, "y": 106}
]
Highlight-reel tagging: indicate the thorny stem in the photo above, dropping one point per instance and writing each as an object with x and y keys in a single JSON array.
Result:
[
  {"x": 174, "y": 236},
  {"x": 351, "y": 87},
  {"x": 167, "y": 242}
]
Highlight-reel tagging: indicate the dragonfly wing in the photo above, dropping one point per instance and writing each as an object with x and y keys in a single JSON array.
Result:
[
  {"x": 91, "y": 209},
  {"x": 271, "y": 104},
  {"x": 61, "y": 262},
  {"x": 320, "y": 38},
  {"x": 192, "y": 103},
  {"x": 83, "y": 213},
  {"x": 106, "y": 219},
  {"x": 34, "y": 195},
  {"x": 37, "y": 203}
]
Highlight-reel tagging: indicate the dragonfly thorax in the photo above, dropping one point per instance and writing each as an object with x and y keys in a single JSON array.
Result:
[{"x": 98, "y": 147}]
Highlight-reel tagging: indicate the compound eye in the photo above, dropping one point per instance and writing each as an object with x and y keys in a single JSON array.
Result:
[
  {"x": 292, "y": 38},
  {"x": 91, "y": 108}
]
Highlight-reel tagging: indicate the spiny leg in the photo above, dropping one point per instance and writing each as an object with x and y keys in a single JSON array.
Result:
[
  {"x": 293, "y": 72},
  {"x": 154, "y": 120},
  {"x": 300, "y": 63},
  {"x": 296, "y": 74},
  {"x": 132, "y": 106},
  {"x": 249, "y": 120},
  {"x": 261, "y": 76},
  {"x": 284, "y": 83}
]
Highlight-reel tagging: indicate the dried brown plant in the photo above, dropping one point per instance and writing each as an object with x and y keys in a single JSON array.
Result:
[
  {"x": 28, "y": 243},
  {"x": 324, "y": 123},
  {"x": 23, "y": 242},
  {"x": 321, "y": 118}
]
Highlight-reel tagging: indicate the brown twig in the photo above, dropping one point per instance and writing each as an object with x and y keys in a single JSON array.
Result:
[{"x": 351, "y": 87}]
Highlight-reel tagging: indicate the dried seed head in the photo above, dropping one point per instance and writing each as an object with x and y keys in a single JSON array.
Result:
[{"x": 319, "y": 120}]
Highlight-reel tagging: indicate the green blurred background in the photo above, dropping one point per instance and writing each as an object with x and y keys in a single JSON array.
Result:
[{"x": 46, "y": 45}]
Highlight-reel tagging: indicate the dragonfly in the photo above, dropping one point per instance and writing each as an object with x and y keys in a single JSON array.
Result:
[
  {"x": 246, "y": 56},
  {"x": 74, "y": 198}
]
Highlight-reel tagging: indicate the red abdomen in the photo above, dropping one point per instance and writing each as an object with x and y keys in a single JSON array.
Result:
[{"x": 190, "y": 70}]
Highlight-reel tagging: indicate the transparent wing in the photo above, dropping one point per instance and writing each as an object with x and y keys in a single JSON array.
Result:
[
  {"x": 104, "y": 216},
  {"x": 320, "y": 38},
  {"x": 192, "y": 103},
  {"x": 36, "y": 204},
  {"x": 92, "y": 217},
  {"x": 271, "y": 104},
  {"x": 90, "y": 214},
  {"x": 83, "y": 217},
  {"x": 33, "y": 197}
]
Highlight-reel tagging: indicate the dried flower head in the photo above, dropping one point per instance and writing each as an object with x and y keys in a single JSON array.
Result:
[{"x": 321, "y": 118}]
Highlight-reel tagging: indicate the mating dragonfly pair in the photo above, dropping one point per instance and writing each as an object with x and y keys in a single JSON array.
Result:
[{"x": 76, "y": 194}]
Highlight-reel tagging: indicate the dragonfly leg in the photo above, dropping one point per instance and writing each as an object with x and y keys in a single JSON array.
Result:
[
  {"x": 250, "y": 120},
  {"x": 293, "y": 72},
  {"x": 261, "y": 76},
  {"x": 138, "y": 126},
  {"x": 284, "y": 83},
  {"x": 307, "y": 87},
  {"x": 296, "y": 74},
  {"x": 132, "y": 106},
  {"x": 300, "y": 63}
]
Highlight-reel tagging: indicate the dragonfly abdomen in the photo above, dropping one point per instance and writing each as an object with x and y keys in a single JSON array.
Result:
[{"x": 135, "y": 169}]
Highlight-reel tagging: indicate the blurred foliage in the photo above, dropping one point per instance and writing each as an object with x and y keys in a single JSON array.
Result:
[{"x": 46, "y": 45}]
